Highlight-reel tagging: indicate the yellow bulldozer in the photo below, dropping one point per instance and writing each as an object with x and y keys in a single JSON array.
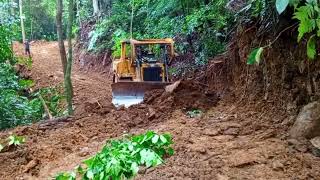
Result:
[{"x": 143, "y": 66}]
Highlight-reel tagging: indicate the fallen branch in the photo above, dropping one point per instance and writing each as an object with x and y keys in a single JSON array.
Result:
[
  {"x": 53, "y": 122},
  {"x": 44, "y": 105},
  {"x": 211, "y": 156}
]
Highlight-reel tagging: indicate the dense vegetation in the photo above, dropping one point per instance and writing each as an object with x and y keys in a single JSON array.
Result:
[
  {"x": 199, "y": 27},
  {"x": 18, "y": 105},
  {"x": 15, "y": 109},
  {"x": 307, "y": 13},
  {"x": 120, "y": 159}
]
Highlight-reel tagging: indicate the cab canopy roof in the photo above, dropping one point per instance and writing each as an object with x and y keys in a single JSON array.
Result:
[{"x": 148, "y": 41}]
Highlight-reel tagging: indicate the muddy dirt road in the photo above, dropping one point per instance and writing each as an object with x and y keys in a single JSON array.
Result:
[{"x": 231, "y": 140}]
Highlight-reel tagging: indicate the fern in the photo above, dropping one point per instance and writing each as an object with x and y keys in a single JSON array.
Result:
[
  {"x": 309, "y": 17},
  {"x": 305, "y": 14}
]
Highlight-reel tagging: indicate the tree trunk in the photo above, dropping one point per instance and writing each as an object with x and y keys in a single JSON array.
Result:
[
  {"x": 62, "y": 49},
  {"x": 67, "y": 77},
  {"x": 95, "y": 4},
  {"x": 21, "y": 20},
  {"x": 78, "y": 13},
  {"x": 31, "y": 21},
  {"x": 131, "y": 22}
]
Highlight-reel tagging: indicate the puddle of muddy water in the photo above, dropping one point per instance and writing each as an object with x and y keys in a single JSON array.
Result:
[{"x": 127, "y": 101}]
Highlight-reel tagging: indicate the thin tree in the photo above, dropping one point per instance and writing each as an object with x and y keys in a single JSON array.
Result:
[
  {"x": 22, "y": 23},
  {"x": 131, "y": 20},
  {"x": 96, "y": 10},
  {"x": 67, "y": 77},
  {"x": 66, "y": 63},
  {"x": 78, "y": 13},
  {"x": 62, "y": 49}
]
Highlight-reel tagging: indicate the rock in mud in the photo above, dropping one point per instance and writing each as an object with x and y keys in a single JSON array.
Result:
[
  {"x": 277, "y": 166},
  {"x": 172, "y": 87},
  {"x": 298, "y": 145},
  {"x": 244, "y": 158},
  {"x": 222, "y": 177},
  {"x": 315, "y": 146},
  {"x": 152, "y": 114},
  {"x": 231, "y": 131},
  {"x": 84, "y": 152},
  {"x": 210, "y": 132},
  {"x": 307, "y": 124},
  {"x": 199, "y": 149},
  {"x": 121, "y": 108},
  {"x": 33, "y": 163}
]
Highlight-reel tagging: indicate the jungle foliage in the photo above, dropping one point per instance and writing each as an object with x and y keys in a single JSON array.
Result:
[
  {"x": 18, "y": 105},
  {"x": 199, "y": 27},
  {"x": 120, "y": 159},
  {"x": 305, "y": 12}
]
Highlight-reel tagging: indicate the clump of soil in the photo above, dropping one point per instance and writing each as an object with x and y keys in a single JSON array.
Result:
[{"x": 187, "y": 95}]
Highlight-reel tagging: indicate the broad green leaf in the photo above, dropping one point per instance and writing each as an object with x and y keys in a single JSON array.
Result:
[
  {"x": 79, "y": 169},
  {"x": 155, "y": 139},
  {"x": 170, "y": 151},
  {"x": 90, "y": 174},
  {"x": 89, "y": 162},
  {"x": 311, "y": 47},
  {"x": 163, "y": 139},
  {"x": 73, "y": 175},
  {"x": 281, "y": 5},
  {"x": 258, "y": 55},
  {"x": 66, "y": 176},
  {"x": 148, "y": 157},
  {"x": 168, "y": 137},
  {"x": 16, "y": 140},
  {"x": 11, "y": 140},
  {"x": 130, "y": 147},
  {"x": 134, "y": 168},
  {"x": 255, "y": 56}
]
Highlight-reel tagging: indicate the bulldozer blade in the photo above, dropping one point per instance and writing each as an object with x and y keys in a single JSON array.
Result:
[{"x": 130, "y": 93}]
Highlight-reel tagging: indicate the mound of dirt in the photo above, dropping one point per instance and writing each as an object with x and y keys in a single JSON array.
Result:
[{"x": 187, "y": 95}]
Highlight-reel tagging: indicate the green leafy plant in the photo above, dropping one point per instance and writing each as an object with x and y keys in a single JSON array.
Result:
[
  {"x": 66, "y": 176},
  {"x": 120, "y": 159},
  {"x": 27, "y": 61},
  {"x": 54, "y": 99},
  {"x": 255, "y": 56},
  {"x": 16, "y": 109},
  {"x": 309, "y": 18},
  {"x": 13, "y": 140},
  {"x": 26, "y": 83},
  {"x": 16, "y": 140},
  {"x": 194, "y": 113},
  {"x": 308, "y": 15}
]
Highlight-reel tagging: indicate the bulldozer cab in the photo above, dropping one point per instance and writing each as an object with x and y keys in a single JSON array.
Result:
[
  {"x": 150, "y": 50},
  {"x": 143, "y": 66}
]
